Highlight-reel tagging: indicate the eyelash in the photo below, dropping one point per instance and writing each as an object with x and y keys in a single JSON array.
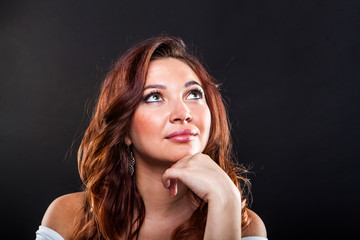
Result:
[
  {"x": 197, "y": 91},
  {"x": 153, "y": 92}
]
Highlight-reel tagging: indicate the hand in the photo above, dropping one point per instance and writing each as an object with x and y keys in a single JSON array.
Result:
[
  {"x": 203, "y": 176},
  {"x": 208, "y": 181}
]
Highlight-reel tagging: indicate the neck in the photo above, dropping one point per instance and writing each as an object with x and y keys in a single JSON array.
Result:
[{"x": 158, "y": 202}]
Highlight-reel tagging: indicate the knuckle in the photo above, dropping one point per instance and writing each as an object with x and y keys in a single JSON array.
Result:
[{"x": 167, "y": 173}]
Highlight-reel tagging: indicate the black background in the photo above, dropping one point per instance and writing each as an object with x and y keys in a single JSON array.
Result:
[{"x": 290, "y": 75}]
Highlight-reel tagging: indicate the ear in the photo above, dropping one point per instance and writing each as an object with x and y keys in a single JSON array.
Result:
[{"x": 128, "y": 141}]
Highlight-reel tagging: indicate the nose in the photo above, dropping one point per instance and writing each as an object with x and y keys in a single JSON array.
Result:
[{"x": 180, "y": 112}]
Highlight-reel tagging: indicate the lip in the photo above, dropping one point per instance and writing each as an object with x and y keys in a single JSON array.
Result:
[{"x": 184, "y": 135}]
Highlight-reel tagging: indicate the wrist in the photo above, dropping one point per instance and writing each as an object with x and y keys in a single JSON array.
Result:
[
  {"x": 226, "y": 210},
  {"x": 231, "y": 196},
  {"x": 225, "y": 192}
]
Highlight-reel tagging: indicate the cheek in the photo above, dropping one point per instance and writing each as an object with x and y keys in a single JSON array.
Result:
[
  {"x": 206, "y": 121},
  {"x": 143, "y": 125}
]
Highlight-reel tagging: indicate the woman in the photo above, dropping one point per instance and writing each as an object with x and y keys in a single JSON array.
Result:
[{"x": 156, "y": 158}]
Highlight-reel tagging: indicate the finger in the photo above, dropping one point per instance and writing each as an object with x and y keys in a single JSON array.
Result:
[
  {"x": 173, "y": 187},
  {"x": 166, "y": 183},
  {"x": 169, "y": 175}
]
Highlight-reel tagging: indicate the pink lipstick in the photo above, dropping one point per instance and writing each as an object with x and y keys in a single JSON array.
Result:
[{"x": 182, "y": 136}]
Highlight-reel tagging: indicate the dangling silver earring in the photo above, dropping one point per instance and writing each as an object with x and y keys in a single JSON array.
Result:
[{"x": 131, "y": 162}]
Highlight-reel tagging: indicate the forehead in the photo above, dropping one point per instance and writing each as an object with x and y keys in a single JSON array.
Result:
[{"x": 170, "y": 71}]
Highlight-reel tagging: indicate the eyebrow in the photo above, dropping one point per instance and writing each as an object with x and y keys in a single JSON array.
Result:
[
  {"x": 188, "y": 84},
  {"x": 155, "y": 86}
]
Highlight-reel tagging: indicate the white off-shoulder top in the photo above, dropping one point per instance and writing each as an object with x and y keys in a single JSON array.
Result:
[{"x": 45, "y": 233}]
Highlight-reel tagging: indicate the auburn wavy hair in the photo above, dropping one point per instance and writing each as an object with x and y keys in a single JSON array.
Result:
[{"x": 113, "y": 206}]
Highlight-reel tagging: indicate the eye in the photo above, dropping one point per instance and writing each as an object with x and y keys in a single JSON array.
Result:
[
  {"x": 153, "y": 97},
  {"x": 195, "y": 94}
]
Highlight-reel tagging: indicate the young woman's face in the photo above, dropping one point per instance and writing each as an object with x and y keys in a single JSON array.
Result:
[{"x": 173, "y": 119}]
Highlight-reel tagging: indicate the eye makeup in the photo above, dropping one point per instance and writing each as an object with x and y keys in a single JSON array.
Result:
[
  {"x": 197, "y": 91},
  {"x": 152, "y": 93},
  {"x": 155, "y": 95}
]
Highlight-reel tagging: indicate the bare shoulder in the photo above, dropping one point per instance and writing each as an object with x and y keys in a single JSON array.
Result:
[
  {"x": 62, "y": 212},
  {"x": 256, "y": 226}
]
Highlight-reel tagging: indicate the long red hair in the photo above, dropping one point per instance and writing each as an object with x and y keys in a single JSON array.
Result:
[{"x": 113, "y": 205}]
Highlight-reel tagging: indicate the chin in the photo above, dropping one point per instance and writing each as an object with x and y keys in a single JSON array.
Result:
[{"x": 177, "y": 155}]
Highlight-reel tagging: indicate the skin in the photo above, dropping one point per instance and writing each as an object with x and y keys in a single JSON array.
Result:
[
  {"x": 166, "y": 168},
  {"x": 173, "y": 100}
]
